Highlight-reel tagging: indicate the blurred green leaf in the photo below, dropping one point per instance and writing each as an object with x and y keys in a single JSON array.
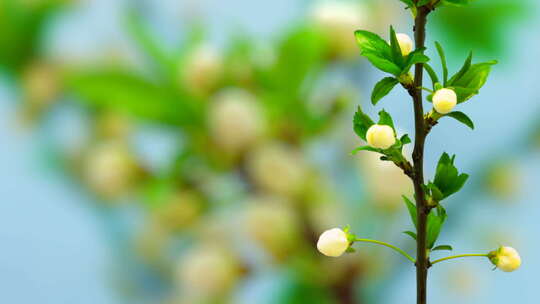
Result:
[
  {"x": 435, "y": 221},
  {"x": 442, "y": 55},
  {"x": 125, "y": 92},
  {"x": 447, "y": 177},
  {"x": 411, "y": 207},
  {"x": 377, "y": 51}
]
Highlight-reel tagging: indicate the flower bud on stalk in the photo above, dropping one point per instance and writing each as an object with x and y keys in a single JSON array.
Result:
[
  {"x": 380, "y": 136},
  {"x": 444, "y": 101},
  {"x": 506, "y": 259},
  {"x": 405, "y": 43},
  {"x": 333, "y": 242}
]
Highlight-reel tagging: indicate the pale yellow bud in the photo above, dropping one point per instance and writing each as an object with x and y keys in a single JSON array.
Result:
[
  {"x": 444, "y": 101},
  {"x": 337, "y": 20},
  {"x": 277, "y": 169},
  {"x": 208, "y": 270},
  {"x": 506, "y": 259},
  {"x": 109, "y": 169},
  {"x": 405, "y": 43},
  {"x": 235, "y": 119},
  {"x": 380, "y": 136},
  {"x": 333, "y": 242},
  {"x": 203, "y": 70}
]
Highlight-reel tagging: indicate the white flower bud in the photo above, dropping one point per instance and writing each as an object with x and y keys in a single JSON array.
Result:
[
  {"x": 109, "y": 169},
  {"x": 202, "y": 71},
  {"x": 338, "y": 20},
  {"x": 506, "y": 259},
  {"x": 444, "y": 101},
  {"x": 235, "y": 119},
  {"x": 333, "y": 242},
  {"x": 380, "y": 136},
  {"x": 405, "y": 43},
  {"x": 208, "y": 270},
  {"x": 277, "y": 169}
]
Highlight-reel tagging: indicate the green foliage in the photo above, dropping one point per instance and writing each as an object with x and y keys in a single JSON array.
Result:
[
  {"x": 382, "y": 88},
  {"x": 412, "y": 211},
  {"x": 461, "y": 117},
  {"x": 134, "y": 95},
  {"x": 387, "y": 57},
  {"x": 361, "y": 123},
  {"x": 447, "y": 178},
  {"x": 435, "y": 222},
  {"x": 22, "y": 26},
  {"x": 468, "y": 81},
  {"x": 485, "y": 26}
]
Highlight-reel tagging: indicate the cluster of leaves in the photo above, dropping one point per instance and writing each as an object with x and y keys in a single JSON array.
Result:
[
  {"x": 447, "y": 181},
  {"x": 387, "y": 58},
  {"x": 467, "y": 82},
  {"x": 362, "y": 122},
  {"x": 433, "y": 4}
]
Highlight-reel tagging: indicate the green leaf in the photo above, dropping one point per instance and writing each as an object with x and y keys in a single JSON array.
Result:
[
  {"x": 422, "y": 3},
  {"x": 405, "y": 139},
  {"x": 435, "y": 221},
  {"x": 435, "y": 192},
  {"x": 386, "y": 119},
  {"x": 473, "y": 80},
  {"x": 128, "y": 93},
  {"x": 382, "y": 88},
  {"x": 396, "y": 49},
  {"x": 361, "y": 123},
  {"x": 366, "y": 148},
  {"x": 454, "y": 2},
  {"x": 412, "y": 210},
  {"x": 377, "y": 51},
  {"x": 411, "y": 234},
  {"x": 432, "y": 74},
  {"x": 462, "y": 117},
  {"x": 383, "y": 64},
  {"x": 417, "y": 56},
  {"x": 409, "y": 3},
  {"x": 443, "y": 247},
  {"x": 443, "y": 62},
  {"x": 447, "y": 177},
  {"x": 462, "y": 71}
]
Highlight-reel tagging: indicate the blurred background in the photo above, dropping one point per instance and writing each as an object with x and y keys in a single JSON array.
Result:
[{"x": 191, "y": 151}]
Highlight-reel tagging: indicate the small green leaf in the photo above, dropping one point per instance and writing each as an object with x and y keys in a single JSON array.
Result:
[
  {"x": 443, "y": 62},
  {"x": 473, "y": 80},
  {"x": 412, "y": 210},
  {"x": 417, "y": 56},
  {"x": 382, "y": 88},
  {"x": 396, "y": 49},
  {"x": 435, "y": 221},
  {"x": 377, "y": 51},
  {"x": 454, "y": 2},
  {"x": 361, "y": 123},
  {"x": 447, "y": 177},
  {"x": 462, "y": 117},
  {"x": 405, "y": 139},
  {"x": 422, "y": 3},
  {"x": 366, "y": 148},
  {"x": 466, "y": 66},
  {"x": 409, "y": 3},
  {"x": 411, "y": 234},
  {"x": 432, "y": 74},
  {"x": 385, "y": 119},
  {"x": 443, "y": 247}
]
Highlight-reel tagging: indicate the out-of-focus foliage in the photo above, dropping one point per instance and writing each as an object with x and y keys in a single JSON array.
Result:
[{"x": 485, "y": 26}]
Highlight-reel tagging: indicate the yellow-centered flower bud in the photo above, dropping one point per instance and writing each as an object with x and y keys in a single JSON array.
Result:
[
  {"x": 405, "y": 43},
  {"x": 333, "y": 242},
  {"x": 506, "y": 259},
  {"x": 444, "y": 101},
  {"x": 380, "y": 136}
]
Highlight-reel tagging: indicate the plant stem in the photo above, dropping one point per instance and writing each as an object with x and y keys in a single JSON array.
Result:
[
  {"x": 422, "y": 262},
  {"x": 459, "y": 256},
  {"x": 401, "y": 251}
]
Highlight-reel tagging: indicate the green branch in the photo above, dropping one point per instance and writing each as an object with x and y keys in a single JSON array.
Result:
[{"x": 458, "y": 256}]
